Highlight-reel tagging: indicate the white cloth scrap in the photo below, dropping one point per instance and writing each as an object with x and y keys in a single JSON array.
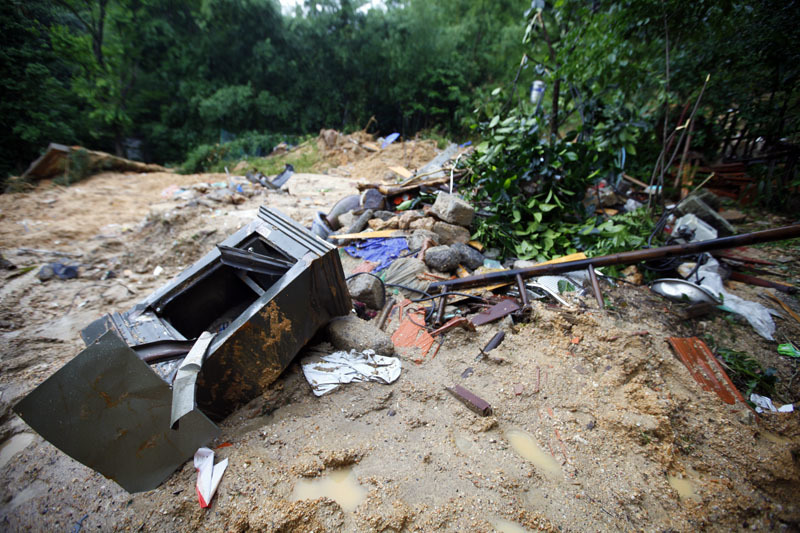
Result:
[
  {"x": 208, "y": 475},
  {"x": 325, "y": 373},
  {"x": 764, "y": 403}
]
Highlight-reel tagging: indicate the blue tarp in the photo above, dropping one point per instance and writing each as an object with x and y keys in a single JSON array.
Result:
[{"x": 381, "y": 251}]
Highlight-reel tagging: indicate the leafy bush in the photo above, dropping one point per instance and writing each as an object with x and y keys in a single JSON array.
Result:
[
  {"x": 211, "y": 157},
  {"x": 531, "y": 186}
]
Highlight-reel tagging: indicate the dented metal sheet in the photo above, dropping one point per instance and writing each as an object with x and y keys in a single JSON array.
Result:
[
  {"x": 705, "y": 369},
  {"x": 262, "y": 295},
  {"x": 107, "y": 409}
]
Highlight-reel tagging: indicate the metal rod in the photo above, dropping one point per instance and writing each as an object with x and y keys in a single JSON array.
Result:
[
  {"x": 624, "y": 258},
  {"x": 523, "y": 292},
  {"x": 384, "y": 314},
  {"x": 596, "y": 288},
  {"x": 440, "y": 311}
]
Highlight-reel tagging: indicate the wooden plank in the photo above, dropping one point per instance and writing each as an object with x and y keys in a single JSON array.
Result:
[
  {"x": 401, "y": 171},
  {"x": 369, "y": 234}
]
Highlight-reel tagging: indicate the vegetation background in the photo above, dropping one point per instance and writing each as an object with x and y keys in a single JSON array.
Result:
[{"x": 166, "y": 77}]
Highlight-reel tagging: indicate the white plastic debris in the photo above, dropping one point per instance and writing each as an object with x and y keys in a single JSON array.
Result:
[
  {"x": 764, "y": 403},
  {"x": 157, "y": 271},
  {"x": 325, "y": 373},
  {"x": 710, "y": 278},
  {"x": 208, "y": 475}
]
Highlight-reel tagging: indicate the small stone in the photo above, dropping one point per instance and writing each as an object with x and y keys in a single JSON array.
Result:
[
  {"x": 46, "y": 273},
  {"x": 383, "y": 215},
  {"x": 453, "y": 209},
  {"x": 237, "y": 199},
  {"x": 408, "y": 217},
  {"x": 426, "y": 223},
  {"x": 734, "y": 216},
  {"x": 442, "y": 258},
  {"x": 468, "y": 256},
  {"x": 450, "y": 233},
  {"x": 523, "y": 263},
  {"x": 351, "y": 333},
  {"x": 366, "y": 289},
  {"x": 347, "y": 219},
  {"x": 416, "y": 239},
  {"x": 116, "y": 293},
  {"x": 379, "y": 224}
]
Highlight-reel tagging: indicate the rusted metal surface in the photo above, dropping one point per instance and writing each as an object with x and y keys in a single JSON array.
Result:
[
  {"x": 624, "y": 258},
  {"x": 475, "y": 403},
  {"x": 705, "y": 369},
  {"x": 455, "y": 322},
  {"x": 596, "y": 288},
  {"x": 262, "y": 294},
  {"x": 497, "y": 311},
  {"x": 493, "y": 343},
  {"x": 760, "y": 282}
]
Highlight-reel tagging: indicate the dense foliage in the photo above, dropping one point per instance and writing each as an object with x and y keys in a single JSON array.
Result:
[
  {"x": 617, "y": 76},
  {"x": 177, "y": 74}
]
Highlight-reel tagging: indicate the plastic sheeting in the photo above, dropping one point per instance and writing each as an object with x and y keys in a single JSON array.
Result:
[
  {"x": 325, "y": 373},
  {"x": 381, "y": 251}
]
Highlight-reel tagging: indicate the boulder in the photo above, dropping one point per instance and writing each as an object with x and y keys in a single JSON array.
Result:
[
  {"x": 351, "y": 333},
  {"x": 416, "y": 239},
  {"x": 450, "y": 233},
  {"x": 468, "y": 256},
  {"x": 452, "y": 209},
  {"x": 366, "y": 289},
  {"x": 442, "y": 258}
]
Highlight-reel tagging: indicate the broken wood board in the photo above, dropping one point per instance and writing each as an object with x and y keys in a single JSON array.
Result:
[
  {"x": 402, "y": 172},
  {"x": 704, "y": 368}
]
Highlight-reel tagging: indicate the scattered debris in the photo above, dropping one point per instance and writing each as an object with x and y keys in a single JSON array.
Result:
[
  {"x": 114, "y": 403},
  {"x": 474, "y": 403},
  {"x": 705, "y": 369},
  {"x": 495, "y": 312},
  {"x": 56, "y": 160},
  {"x": 493, "y": 343},
  {"x": 764, "y": 404},
  {"x": 325, "y": 373},
  {"x": 58, "y": 270},
  {"x": 208, "y": 475}
]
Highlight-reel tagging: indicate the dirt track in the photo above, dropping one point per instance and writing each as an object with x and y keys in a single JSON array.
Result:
[{"x": 606, "y": 403}]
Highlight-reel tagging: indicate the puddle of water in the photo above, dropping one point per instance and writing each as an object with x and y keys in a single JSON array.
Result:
[
  {"x": 14, "y": 445},
  {"x": 684, "y": 487},
  {"x": 506, "y": 526},
  {"x": 525, "y": 445},
  {"x": 340, "y": 486},
  {"x": 774, "y": 437}
]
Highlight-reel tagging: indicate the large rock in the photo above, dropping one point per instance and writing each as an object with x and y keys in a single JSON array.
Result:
[
  {"x": 468, "y": 256},
  {"x": 453, "y": 209},
  {"x": 425, "y": 223},
  {"x": 697, "y": 207},
  {"x": 366, "y": 289},
  {"x": 417, "y": 239},
  {"x": 409, "y": 217},
  {"x": 442, "y": 258},
  {"x": 351, "y": 333},
  {"x": 450, "y": 233}
]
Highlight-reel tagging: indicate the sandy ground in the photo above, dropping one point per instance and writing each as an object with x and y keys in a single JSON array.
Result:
[{"x": 594, "y": 417}]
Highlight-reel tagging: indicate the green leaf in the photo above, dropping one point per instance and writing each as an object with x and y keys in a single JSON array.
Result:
[
  {"x": 494, "y": 121},
  {"x": 537, "y": 216},
  {"x": 546, "y": 208}
]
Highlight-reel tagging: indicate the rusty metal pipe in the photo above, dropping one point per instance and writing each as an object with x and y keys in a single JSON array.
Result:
[
  {"x": 596, "y": 288},
  {"x": 624, "y": 258}
]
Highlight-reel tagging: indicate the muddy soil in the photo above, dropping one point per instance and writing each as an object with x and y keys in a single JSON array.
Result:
[{"x": 596, "y": 426}]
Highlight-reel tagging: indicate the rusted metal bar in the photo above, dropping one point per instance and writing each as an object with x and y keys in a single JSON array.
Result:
[
  {"x": 440, "y": 311},
  {"x": 384, "y": 314},
  {"x": 624, "y": 258},
  {"x": 473, "y": 402},
  {"x": 523, "y": 293},
  {"x": 761, "y": 282},
  {"x": 493, "y": 343},
  {"x": 596, "y": 288}
]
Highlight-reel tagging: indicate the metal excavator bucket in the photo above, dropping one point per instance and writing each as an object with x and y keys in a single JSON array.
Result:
[{"x": 140, "y": 399}]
